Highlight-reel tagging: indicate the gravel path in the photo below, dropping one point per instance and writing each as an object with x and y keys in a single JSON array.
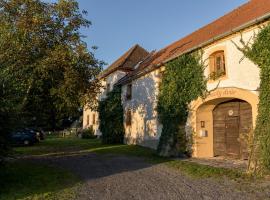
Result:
[{"x": 120, "y": 177}]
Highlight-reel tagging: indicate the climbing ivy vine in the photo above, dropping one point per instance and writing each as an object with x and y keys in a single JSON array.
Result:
[
  {"x": 259, "y": 53},
  {"x": 111, "y": 117},
  {"x": 183, "y": 82}
]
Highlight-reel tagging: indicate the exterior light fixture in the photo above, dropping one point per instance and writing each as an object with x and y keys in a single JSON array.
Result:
[{"x": 202, "y": 124}]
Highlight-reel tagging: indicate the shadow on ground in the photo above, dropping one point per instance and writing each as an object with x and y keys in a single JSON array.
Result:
[
  {"x": 25, "y": 179},
  {"x": 93, "y": 165}
]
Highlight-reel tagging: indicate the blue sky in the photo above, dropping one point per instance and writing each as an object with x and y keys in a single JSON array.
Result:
[{"x": 154, "y": 24}]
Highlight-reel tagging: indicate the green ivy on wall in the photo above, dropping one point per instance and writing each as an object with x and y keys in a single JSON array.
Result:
[
  {"x": 111, "y": 117},
  {"x": 183, "y": 82},
  {"x": 259, "y": 53}
]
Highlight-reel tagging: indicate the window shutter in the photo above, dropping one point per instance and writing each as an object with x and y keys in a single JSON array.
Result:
[
  {"x": 128, "y": 118},
  {"x": 87, "y": 120},
  {"x": 129, "y": 92},
  {"x": 223, "y": 63},
  {"x": 94, "y": 119},
  {"x": 211, "y": 64}
]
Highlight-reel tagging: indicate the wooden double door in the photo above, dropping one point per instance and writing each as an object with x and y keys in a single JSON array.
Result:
[{"x": 232, "y": 123}]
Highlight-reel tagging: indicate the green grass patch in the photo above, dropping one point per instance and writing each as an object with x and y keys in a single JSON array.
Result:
[
  {"x": 27, "y": 180},
  {"x": 58, "y": 145},
  {"x": 76, "y": 145},
  {"x": 204, "y": 171},
  {"x": 132, "y": 150},
  {"x": 69, "y": 145}
]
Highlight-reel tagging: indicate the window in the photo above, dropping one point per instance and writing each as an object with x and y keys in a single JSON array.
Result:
[
  {"x": 129, "y": 92},
  {"x": 128, "y": 118},
  {"x": 94, "y": 119},
  {"x": 217, "y": 65},
  {"x": 87, "y": 120},
  {"x": 108, "y": 88}
]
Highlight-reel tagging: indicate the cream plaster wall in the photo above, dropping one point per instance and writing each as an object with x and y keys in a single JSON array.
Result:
[
  {"x": 112, "y": 80},
  {"x": 146, "y": 130},
  {"x": 240, "y": 71}
]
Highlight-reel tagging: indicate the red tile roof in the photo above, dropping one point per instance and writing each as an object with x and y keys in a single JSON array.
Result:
[
  {"x": 242, "y": 15},
  {"x": 127, "y": 61}
]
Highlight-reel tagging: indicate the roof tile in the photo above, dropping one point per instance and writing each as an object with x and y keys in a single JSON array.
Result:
[{"x": 235, "y": 19}]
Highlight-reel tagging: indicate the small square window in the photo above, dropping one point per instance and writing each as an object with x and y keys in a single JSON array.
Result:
[
  {"x": 128, "y": 118},
  {"x": 87, "y": 120},
  {"x": 108, "y": 88},
  {"x": 94, "y": 119},
  {"x": 129, "y": 92}
]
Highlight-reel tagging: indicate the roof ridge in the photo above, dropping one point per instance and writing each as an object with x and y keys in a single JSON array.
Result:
[
  {"x": 120, "y": 62},
  {"x": 198, "y": 29},
  {"x": 132, "y": 49},
  {"x": 243, "y": 16}
]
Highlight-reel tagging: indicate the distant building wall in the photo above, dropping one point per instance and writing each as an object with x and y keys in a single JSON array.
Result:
[
  {"x": 145, "y": 128},
  {"x": 89, "y": 114}
]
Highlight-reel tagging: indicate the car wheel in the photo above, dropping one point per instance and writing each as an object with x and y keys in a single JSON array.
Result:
[{"x": 26, "y": 142}]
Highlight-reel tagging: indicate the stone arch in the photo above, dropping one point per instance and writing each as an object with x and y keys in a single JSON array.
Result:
[{"x": 201, "y": 112}]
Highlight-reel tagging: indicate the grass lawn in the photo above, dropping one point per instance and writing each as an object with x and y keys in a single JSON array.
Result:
[
  {"x": 56, "y": 146},
  {"x": 70, "y": 145},
  {"x": 27, "y": 180}
]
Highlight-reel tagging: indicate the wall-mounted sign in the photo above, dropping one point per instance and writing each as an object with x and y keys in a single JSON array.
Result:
[
  {"x": 222, "y": 93},
  {"x": 203, "y": 133}
]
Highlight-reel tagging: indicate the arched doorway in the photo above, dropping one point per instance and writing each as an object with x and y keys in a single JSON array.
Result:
[{"x": 232, "y": 122}]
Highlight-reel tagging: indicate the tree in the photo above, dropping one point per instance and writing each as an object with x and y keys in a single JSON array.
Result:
[
  {"x": 46, "y": 71},
  {"x": 42, "y": 51}
]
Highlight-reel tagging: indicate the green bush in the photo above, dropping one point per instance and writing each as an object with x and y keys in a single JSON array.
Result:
[
  {"x": 259, "y": 53},
  {"x": 88, "y": 133},
  {"x": 182, "y": 83},
  {"x": 111, "y": 118}
]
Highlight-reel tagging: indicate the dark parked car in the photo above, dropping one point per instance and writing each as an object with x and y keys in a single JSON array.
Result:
[
  {"x": 40, "y": 134},
  {"x": 23, "y": 137}
]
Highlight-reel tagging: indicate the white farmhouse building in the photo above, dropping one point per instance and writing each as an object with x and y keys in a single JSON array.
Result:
[
  {"x": 229, "y": 112},
  {"x": 109, "y": 77}
]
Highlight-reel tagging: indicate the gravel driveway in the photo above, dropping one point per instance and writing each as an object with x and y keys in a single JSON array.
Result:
[{"x": 121, "y": 177}]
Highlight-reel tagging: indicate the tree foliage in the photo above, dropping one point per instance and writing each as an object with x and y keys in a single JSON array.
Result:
[
  {"x": 46, "y": 71},
  {"x": 111, "y": 117},
  {"x": 259, "y": 53},
  {"x": 182, "y": 83}
]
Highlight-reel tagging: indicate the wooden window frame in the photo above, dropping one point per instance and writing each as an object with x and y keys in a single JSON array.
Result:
[
  {"x": 94, "y": 119},
  {"x": 108, "y": 88},
  {"x": 216, "y": 73},
  {"x": 129, "y": 92},
  {"x": 87, "y": 120},
  {"x": 128, "y": 117}
]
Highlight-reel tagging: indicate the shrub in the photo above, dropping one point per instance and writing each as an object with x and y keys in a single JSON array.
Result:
[
  {"x": 111, "y": 117},
  {"x": 182, "y": 83},
  {"x": 259, "y": 53},
  {"x": 88, "y": 133}
]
